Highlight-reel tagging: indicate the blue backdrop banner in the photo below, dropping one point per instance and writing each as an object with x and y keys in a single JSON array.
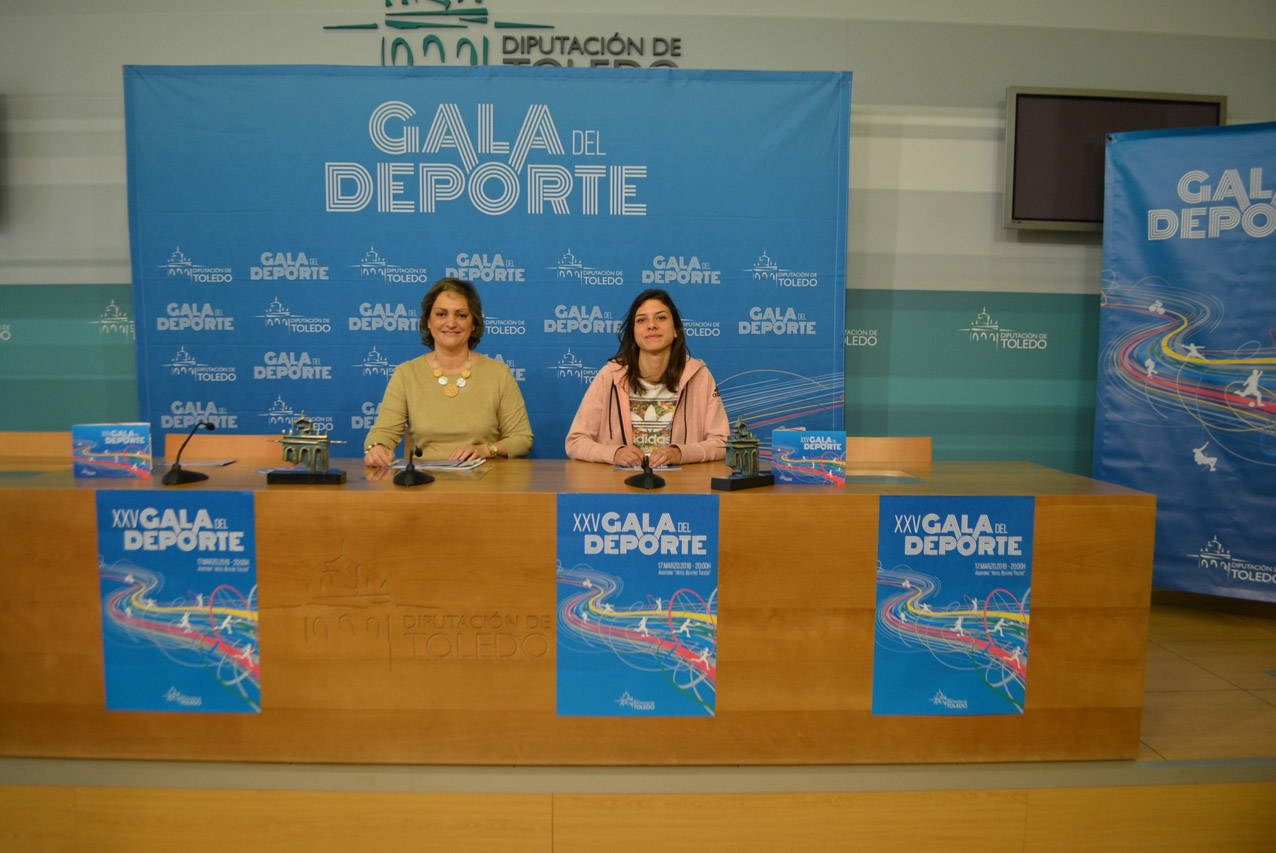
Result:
[
  {"x": 1188, "y": 349},
  {"x": 286, "y": 222}
]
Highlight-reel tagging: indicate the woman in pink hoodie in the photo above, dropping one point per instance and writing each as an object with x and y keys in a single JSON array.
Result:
[{"x": 651, "y": 399}]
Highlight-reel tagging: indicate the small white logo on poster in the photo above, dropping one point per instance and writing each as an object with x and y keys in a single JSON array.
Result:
[
  {"x": 479, "y": 266},
  {"x": 493, "y": 325},
  {"x": 282, "y": 415},
  {"x": 286, "y": 364},
  {"x": 1214, "y": 557},
  {"x": 375, "y": 266},
  {"x": 277, "y": 315},
  {"x": 112, "y": 321},
  {"x": 385, "y": 316},
  {"x": 677, "y": 269},
  {"x": 985, "y": 329},
  {"x": 184, "y": 364},
  {"x": 375, "y": 364},
  {"x": 6, "y": 331},
  {"x": 779, "y": 320},
  {"x": 627, "y": 701},
  {"x": 581, "y": 319},
  {"x": 180, "y": 266},
  {"x": 287, "y": 266},
  {"x": 861, "y": 337},
  {"x": 177, "y": 264},
  {"x": 766, "y": 269},
  {"x": 176, "y": 696},
  {"x": 184, "y": 414},
  {"x": 940, "y": 700},
  {"x": 570, "y": 267},
  {"x": 194, "y": 317},
  {"x": 701, "y": 328},
  {"x": 571, "y": 367}
]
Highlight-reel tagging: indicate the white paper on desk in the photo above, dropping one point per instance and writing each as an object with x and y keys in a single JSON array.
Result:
[
  {"x": 653, "y": 467},
  {"x": 209, "y": 463},
  {"x": 443, "y": 465}
]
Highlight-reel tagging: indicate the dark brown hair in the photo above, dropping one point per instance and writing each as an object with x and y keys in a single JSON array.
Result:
[
  {"x": 627, "y": 355},
  {"x": 452, "y": 285}
]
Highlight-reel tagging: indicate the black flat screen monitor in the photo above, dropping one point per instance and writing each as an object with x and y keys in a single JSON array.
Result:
[{"x": 1054, "y": 147}]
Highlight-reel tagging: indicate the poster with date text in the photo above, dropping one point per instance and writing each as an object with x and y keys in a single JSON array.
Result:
[
  {"x": 954, "y": 590},
  {"x": 178, "y": 577}
]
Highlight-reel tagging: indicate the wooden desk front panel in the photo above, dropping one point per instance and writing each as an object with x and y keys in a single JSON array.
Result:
[{"x": 418, "y": 627}]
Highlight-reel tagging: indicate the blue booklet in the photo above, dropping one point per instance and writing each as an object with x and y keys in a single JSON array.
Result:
[
  {"x": 111, "y": 450},
  {"x": 809, "y": 457}
]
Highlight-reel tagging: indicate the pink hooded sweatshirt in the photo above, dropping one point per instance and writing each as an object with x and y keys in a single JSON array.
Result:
[{"x": 603, "y": 422}]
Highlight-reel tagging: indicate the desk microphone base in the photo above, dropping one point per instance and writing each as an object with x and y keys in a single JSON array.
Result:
[
  {"x": 646, "y": 480},
  {"x": 412, "y": 477},
  {"x": 331, "y": 477}
]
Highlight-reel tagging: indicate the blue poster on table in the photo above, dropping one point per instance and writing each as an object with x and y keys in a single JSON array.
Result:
[
  {"x": 954, "y": 578},
  {"x": 178, "y": 574},
  {"x": 637, "y": 605}
]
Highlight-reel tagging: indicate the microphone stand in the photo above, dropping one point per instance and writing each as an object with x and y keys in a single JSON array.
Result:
[
  {"x": 648, "y": 479},
  {"x": 175, "y": 476},
  {"x": 410, "y": 476}
]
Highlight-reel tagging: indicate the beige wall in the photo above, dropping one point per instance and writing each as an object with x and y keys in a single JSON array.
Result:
[{"x": 927, "y": 126}]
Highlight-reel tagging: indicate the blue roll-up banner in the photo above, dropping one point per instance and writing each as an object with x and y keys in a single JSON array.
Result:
[
  {"x": 1187, "y": 366},
  {"x": 637, "y": 605},
  {"x": 954, "y": 579},
  {"x": 178, "y": 574},
  {"x": 286, "y": 222}
]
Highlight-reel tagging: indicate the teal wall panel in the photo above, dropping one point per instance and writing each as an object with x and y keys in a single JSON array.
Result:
[
  {"x": 1014, "y": 383},
  {"x": 67, "y": 355}
]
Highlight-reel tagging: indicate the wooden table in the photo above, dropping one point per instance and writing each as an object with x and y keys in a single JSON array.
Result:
[{"x": 418, "y": 626}]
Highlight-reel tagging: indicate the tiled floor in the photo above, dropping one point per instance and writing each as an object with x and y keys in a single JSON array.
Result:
[{"x": 1211, "y": 679}]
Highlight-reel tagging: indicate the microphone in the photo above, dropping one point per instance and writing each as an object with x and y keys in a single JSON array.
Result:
[
  {"x": 410, "y": 476},
  {"x": 648, "y": 479},
  {"x": 175, "y": 476}
]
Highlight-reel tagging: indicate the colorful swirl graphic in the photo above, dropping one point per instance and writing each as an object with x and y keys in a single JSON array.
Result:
[
  {"x": 988, "y": 638},
  {"x": 133, "y": 461},
  {"x": 217, "y": 633},
  {"x": 676, "y": 637},
  {"x": 766, "y": 399},
  {"x": 1159, "y": 367},
  {"x": 828, "y": 468}
]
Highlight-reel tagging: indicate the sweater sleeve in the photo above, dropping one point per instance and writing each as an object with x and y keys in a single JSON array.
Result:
[
  {"x": 512, "y": 424},
  {"x": 712, "y": 446},
  {"x": 392, "y": 414},
  {"x": 586, "y": 429}
]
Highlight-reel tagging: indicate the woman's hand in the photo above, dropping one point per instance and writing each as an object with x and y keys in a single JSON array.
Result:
[
  {"x": 378, "y": 456},
  {"x": 466, "y": 452},
  {"x": 663, "y": 456},
  {"x": 628, "y": 456}
]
